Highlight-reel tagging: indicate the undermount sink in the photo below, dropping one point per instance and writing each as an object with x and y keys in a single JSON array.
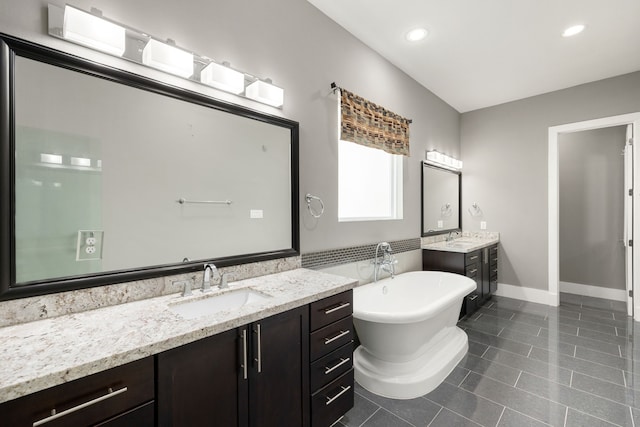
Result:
[
  {"x": 462, "y": 243},
  {"x": 216, "y": 303}
]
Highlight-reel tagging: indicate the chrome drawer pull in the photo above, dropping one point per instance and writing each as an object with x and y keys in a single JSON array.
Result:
[
  {"x": 340, "y": 335},
  {"x": 55, "y": 416},
  {"x": 473, "y": 271},
  {"x": 334, "y": 367},
  {"x": 244, "y": 354},
  {"x": 473, "y": 297},
  {"x": 495, "y": 270},
  {"x": 343, "y": 391},
  {"x": 473, "y": 257},
  {"x": 259, "y": 358},
  {"x": 340, "y": 307}
]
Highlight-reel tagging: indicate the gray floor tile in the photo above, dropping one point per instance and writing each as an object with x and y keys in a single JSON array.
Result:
[
  {"x": 583, "y": 366},
  {"x": 519, "y": 400},
  {"x": 383, "y": 418},
  {"x": 602, "y": 358},
  {"x": 586, "y": 324},
  {"x": 503, "y": 373},
  {"x": 512, "y": 418},
  {"x": 636, "y": 416},
  {"x": 607, "y": 338},
  {"x": 615, "y": 392},
  {"x": 583, "y": 342},
  {"x": 457, "y": 375},
  {"x": 536, "y": 367},
  {"x": 580, "y": 419},
  {"x": 477, "y": 348},
  {"x": 415, "y": 411},
  {"x": 503, "y": 323},
  {"x": 498, "y": 342},
  {"x": 498, "y": 312},
  {"x": 361, "y": 411},
  {"x": 581, "y": 401},
  {"x": 467, "y": 404},
  {"x": 447, "y": 418},
  {"x": 542, "y": 342}
]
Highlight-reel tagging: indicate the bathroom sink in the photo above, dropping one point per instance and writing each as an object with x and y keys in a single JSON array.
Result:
[
  {"x": 216, "y": 303},
  {"x": 462, "y": 243}
]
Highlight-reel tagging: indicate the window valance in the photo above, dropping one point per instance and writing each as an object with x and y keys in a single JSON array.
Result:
[{"x": 371, "y": 125}]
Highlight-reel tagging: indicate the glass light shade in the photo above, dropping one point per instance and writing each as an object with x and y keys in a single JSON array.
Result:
[
  {"x": 80, "y": 161},
  {"x": 92, "y": 31},
  {"x": 223, "y": 78},
  {"x": 266, "y": 93},
  {"x": 443, "y": 160},
  {"x": 56, "y": 159},
  {"x": 168, "y": 58}
]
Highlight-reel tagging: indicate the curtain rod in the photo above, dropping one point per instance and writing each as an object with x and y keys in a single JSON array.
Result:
[{"x": 335, "y": 87}]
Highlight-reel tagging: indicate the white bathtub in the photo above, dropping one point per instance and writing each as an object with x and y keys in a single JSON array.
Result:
[{"x": 408, "y": 333}]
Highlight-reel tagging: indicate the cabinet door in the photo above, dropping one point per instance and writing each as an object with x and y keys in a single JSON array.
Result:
[
  {"x": 486, "y": 274},
  {"x": 279, "y": 379},
  {"x": 200, "y": 384}
]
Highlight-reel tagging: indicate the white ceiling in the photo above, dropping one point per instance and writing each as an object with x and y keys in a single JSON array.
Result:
[{"x": 486, "y": 52}]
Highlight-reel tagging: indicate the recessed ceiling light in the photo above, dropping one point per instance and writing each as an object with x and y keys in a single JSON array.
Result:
[
  {"x": 416, "y": 34},
  {"x": 572, "y": 31}
]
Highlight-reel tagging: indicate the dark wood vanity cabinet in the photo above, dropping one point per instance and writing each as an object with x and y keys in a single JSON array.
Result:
[
  {"x": 121, "y": 396},
  {"x": 331, "y": 349},
  {"x": 480, "y": 265},
  {"x": 255, "y": 375}
]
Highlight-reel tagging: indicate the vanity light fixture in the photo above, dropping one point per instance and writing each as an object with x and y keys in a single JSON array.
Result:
[
  {"x": 93, "y": 31},
  {"x": 222, "y": 77},
  {"x": 265, "y": 92},
  {"x": 416, "y": 34},
  {"x": 572, "y": 31},
  {"x": 80, "y": 161},
  {"x": 55, "y": 159},
  {"x": 168, "y": 58},
  {"x": 436, "y": 158}
]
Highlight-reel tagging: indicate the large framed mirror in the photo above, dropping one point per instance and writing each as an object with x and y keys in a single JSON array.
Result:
[
  {"x": 109, "y": 177},
  {"x": 441, "y": 199}
]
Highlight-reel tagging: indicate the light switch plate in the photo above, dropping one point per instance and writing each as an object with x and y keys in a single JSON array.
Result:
[
  {"x": 440, "y": 223},
  {"x": 483, "y": 225},
  {"x": 256, "y": 213}
]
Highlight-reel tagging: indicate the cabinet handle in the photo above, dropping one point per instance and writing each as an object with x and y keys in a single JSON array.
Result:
[
  {"x": 55, "y": 416},
  {"x": 342, "y": 361},
  {"x": 495, "y": 270},
  {"x": 473, "y": 297},
  {"x": 473, "y": 257},
  {"x": 340, "y": 335},
  {"x": 244, "y": 354},
  {"x": 340, "y": 307},
  {"x": 473, "y": 271},
  {"x": 259, "y": 358},
  {"x": 486, "y": 255},
  {"x": 330, "y": 400}
]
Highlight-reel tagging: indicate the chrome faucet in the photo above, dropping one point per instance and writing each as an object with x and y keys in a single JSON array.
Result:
[
  {"x": 209, "y": 271},
  {"x": 224, "y": 284},
  {"x": 387, "y": 263},
  {"x": 449, "y": 237}
]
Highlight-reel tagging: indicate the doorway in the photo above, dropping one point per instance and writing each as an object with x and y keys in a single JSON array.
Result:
[{"x": 633, "y": 262}]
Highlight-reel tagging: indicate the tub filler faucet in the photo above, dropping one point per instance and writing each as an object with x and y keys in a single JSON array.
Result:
[{"x": 387, "y": 263}]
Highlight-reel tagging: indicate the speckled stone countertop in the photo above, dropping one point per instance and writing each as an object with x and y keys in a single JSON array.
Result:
[
  {"x": 45, "y": 353},
  {"x": 464, "y": 242}
]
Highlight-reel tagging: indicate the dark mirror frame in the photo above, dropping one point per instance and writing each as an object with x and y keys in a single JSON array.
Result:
[
  {"x": 422, "y": 193},
  {"x": 10, "y": 47}
]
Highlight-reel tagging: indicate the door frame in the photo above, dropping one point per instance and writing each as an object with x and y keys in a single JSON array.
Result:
[{"x": 554, "y": 202}]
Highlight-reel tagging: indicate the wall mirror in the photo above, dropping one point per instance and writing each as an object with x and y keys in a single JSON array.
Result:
[
  {"x": 440, "y": 200},
  {"x": 110, "y": 177}
]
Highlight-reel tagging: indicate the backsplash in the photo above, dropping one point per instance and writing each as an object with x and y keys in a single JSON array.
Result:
[
  {"x": 45, "y": 306},
  {"x": 354, "y": 253}
]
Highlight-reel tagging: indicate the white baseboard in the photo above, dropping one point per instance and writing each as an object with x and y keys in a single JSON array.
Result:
[
  {"x": 593, "y": 291},
  {"x": 540, "y": 296}
]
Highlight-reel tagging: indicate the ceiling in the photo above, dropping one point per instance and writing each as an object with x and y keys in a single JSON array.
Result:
[{"x": 481, "y": 53}]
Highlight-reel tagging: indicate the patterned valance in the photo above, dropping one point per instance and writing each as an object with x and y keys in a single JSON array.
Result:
[{"x": 371, "y": 125}]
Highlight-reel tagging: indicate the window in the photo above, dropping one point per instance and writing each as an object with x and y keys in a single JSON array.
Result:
[{"x": 369, "y": 183}]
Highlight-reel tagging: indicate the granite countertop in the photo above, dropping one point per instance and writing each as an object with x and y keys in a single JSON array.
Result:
[
  {"x": 464, "y": 244},
  {"x": 48, "y": 352}
]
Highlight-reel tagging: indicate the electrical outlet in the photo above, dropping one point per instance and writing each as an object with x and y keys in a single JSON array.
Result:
[
  {"x": 255, "y": 213},
  {"x": 89, "y": 245},
  {"x": 483, "y": 225},
  {"x": 440, "y": 223}
]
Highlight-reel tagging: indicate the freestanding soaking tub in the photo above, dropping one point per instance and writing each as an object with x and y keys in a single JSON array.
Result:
[{"x": 408, "y": 333}]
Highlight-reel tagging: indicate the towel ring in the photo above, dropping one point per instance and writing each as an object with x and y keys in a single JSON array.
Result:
[{"x": 309, "y": 198}]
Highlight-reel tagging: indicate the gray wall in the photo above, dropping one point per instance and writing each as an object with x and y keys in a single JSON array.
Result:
[
  {"x": 302, "y": 51},
  {"x": 591, "y": 189},
  {"x": 505, "y": 151}
]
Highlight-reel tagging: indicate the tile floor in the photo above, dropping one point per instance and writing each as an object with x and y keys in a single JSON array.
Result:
[{"x": 529, "y": 365}]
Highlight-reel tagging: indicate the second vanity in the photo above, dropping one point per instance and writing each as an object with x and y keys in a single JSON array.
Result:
[
  {"x": 472, "y": 255},
  {"x": 281, "y": 360}
]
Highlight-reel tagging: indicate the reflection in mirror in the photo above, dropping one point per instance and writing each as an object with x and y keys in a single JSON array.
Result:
[
  {"x": 440, "y": 200},
  {"x": 117, "y": 182}
]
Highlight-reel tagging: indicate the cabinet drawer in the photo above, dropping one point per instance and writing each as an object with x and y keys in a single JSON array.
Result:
[
  {"x": 331, "y": 366},
  {"x": 330, "y": 309},
  {"x": 472, "y": 257},
  {"x": 471, "y": 303},
  {"x": 109, "y": 393},
  {"x": 472, "y": 270},
  {"x": 333, "y": 401},
  {"x": 329, "y": 338},
  {"x": 142, "y": 416}
]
